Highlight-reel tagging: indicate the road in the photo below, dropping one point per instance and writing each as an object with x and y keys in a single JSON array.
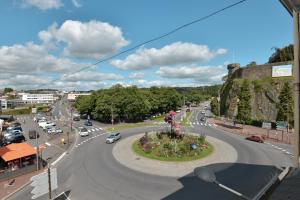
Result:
[{"x": 90, "y": 172}]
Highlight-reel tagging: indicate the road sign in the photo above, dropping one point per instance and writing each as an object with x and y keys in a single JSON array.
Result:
[
  {"x": 281, "y": 125},
  {"x": 40, "y": 183},
  {"x": 267, "y": 125}
]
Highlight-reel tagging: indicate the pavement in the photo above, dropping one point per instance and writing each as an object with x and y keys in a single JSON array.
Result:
[
  {"x": 91, "y": 172},
  {"x": 288, "y": 189}
]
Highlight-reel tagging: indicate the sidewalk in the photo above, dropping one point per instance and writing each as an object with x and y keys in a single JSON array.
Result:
[
  {"x": 6, "y": 188},
  {"x": 246, "y": 130},
  {"x": 289, "y": 189}
]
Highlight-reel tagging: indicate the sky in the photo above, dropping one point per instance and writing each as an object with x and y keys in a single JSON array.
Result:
[{"x": 44, "y": 42}]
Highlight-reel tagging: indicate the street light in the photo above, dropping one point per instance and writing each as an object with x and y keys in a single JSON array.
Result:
[
  {"x": 207, "y": 175},
  {"x": 293, "y": 7}
]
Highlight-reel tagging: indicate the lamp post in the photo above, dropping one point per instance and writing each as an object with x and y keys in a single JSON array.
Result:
[{"x": 293, "y": 7}]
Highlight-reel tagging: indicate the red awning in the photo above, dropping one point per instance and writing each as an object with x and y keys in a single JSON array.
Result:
[{"x": 16, "y": 151}]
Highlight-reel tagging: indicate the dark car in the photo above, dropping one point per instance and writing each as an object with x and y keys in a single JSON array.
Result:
[
  {"x": 13, "y": 128},
  {"x": 88, "y": 123},
  {"x": 76, "y": 118},
  {"x": 33, "y": 134},
  {"x": 255, "y": 138},
  {"x": 14, "y": 139}
]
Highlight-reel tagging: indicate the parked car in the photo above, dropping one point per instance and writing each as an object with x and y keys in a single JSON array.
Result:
[
  {"x": 54, "y": 130},
  {"x": 12, "y": 128},
  {"x": 14, "y": 139},
  {"x": 83, "y": 132},
  {"x": 113, "y": 137},
  {"x": 255, "y": 138},
  {"x": 88, "y": 123},
  {"x": 12, "y": 132},
  {"x": 33, "y": 134}
]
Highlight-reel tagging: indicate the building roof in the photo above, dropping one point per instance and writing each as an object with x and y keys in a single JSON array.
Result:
[{"x": 16, "y": 151}]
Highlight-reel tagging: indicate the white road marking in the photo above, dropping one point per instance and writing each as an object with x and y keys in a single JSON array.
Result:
[
  {"x": 89, "y": 131},
  {"x": 93, "y": 130}
]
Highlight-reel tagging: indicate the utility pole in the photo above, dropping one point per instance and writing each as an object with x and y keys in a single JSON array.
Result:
[
  {"x": 37, "y": 151},
  {"x": 49, "y": 181},
  {"x": 293, "y": 8},
  {"x": 112, "y": 116},
  {"x": 296, "y": 86},
  {"x": 71, "y": 120}
]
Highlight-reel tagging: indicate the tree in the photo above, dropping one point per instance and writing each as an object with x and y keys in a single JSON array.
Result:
[
  {"x": 285, "y": 105},
  {"x": 215, "y": 106},
  {"x": 282, "y": 54},
  {"x": 7, "y": 90},
  {"x": 244, "y": 105}
]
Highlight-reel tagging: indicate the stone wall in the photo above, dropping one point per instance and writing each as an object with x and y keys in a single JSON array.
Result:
[{"x": 254, "y": 72}]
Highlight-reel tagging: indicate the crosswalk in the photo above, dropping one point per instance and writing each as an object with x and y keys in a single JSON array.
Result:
[{"x": 201, "y": 124}]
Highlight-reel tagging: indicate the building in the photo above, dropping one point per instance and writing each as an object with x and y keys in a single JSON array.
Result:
[
  {"x": 73, "y": 96},
  {"x": 37, "y": 98}
]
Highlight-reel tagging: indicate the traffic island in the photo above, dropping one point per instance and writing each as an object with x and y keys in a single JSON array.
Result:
[
  {"x": 219, "y": 152},
  {"x": 165, "y": 148}
]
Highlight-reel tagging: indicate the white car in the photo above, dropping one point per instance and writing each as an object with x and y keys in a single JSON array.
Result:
[
  {"x": 83, "y": 132},
  {"x": 113, "y": 137}
]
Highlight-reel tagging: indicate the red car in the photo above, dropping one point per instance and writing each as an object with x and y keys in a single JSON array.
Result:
[{"x": 255, "y": 138}]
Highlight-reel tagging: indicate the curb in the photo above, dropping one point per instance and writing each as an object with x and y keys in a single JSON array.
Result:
[{"x": 265, "y": 193}]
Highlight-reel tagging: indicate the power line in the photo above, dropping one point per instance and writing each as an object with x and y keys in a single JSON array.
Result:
[{"x": 151, "y": 40}]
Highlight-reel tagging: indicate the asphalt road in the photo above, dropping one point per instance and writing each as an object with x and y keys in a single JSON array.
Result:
[{"x": 90, "y": 172}]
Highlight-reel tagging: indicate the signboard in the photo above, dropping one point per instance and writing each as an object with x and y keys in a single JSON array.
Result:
[
  {"x": 267, "y": 125},
  {"x": 281, "y": 125},
  {"x": 282, "y": 70},
  {"x": 34, "y": 110},
  {"x": 1, "y": 124}
]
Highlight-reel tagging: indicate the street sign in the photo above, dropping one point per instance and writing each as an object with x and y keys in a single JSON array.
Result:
[
  {"x": 267, "y": 125},
  {"x": 40, "y": 183},
  {"x": 281, "y": 125}
]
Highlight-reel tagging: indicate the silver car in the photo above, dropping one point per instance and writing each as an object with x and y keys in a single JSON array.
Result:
[
  {"x": 83, "y": 132},
  {"x": 113, "y": 137}
]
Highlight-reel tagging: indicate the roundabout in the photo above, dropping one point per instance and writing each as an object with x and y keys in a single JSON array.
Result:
[
  {"x": 100, "y": 171},
  {"x": 124, "y": 154}
]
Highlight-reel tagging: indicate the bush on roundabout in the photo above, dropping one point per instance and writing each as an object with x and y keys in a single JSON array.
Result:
[{"x": 162, "y": 146}]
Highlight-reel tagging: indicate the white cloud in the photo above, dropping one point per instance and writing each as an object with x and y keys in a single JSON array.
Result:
[
  {"x": 93, "y": 39},
  {"x": 91, "y": 76},
  {"x": 204, "y": 74},
  {"x": 136, "y": 75},
  {"x": 31, "y": 58},
  {"x": 76, "y": 3},
  {"x": 42, "y": 4},
  {"x": 23, "y": 81},
  {"x": 173, "y": 54}
]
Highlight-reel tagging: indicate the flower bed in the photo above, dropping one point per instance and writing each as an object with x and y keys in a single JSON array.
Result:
[{"x": 161, "y": 146}]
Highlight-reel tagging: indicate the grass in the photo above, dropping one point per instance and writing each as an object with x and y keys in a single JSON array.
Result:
[
  {"x": 152, "y": 155},
  {"x": 158, "y": 118},
  {"x": 119, "y": 127}
]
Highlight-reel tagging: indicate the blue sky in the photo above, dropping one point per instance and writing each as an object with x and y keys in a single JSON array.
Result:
[{"x": 42, "y": 40}]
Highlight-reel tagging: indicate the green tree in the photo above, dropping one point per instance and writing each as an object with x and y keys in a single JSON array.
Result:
[
  {"x": 215, "y": 106},
  {"x": 282, "y": 54},
  {"x": 285, "y": 105},
  {"x": 6, "y": 90},
  {"x": 244, "y": 105}
]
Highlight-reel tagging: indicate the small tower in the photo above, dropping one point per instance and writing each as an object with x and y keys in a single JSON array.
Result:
[{"x": 232, "y": 68}]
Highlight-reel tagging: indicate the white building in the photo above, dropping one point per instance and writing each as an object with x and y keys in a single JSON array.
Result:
[
  {"x": 73, "y": 96},
  {"x": 37, "y": 98}
]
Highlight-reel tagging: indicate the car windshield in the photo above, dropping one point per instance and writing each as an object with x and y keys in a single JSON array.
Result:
[{"x": 83, "y": 130}]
